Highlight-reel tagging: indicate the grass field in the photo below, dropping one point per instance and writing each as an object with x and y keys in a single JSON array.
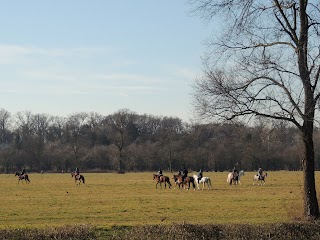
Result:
[{"x": 107, "y": 200}]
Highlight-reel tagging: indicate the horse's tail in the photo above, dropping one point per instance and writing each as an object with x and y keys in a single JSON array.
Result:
[
  {"x": 193, "y": 184},
  {"x": 27, "y": 178},
  {"x": 209, "y": 182},
  {"x": 83, "y": 180},
  {"x": 168, "y": 181}
]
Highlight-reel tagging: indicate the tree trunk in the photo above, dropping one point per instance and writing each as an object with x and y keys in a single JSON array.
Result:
[{"x": 311, "y": 206}]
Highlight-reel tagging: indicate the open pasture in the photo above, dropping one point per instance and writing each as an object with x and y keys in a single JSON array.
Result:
[{"x": 108, "y": 199}]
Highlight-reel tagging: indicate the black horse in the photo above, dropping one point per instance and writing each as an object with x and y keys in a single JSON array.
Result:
[{"x": 22, "y": 177}]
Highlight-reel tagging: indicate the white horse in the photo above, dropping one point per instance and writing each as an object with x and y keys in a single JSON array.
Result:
[
  {"x": 230, "y": 178},
  {"x": 204, "y": 181},
  {"x": 260, "y": 181}
]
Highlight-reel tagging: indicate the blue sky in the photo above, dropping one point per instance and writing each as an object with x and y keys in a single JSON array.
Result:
[{"x": 68, "y": 56}]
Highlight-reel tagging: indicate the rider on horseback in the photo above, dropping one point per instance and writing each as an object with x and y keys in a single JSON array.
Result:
[
  {"x": 76, "y": 172},
  {"x": 199, "y": 175},
  {"x": 23, "y": 171},
  {"x": 235, "y": 173},
  {"x": 160, "y": 173},
  {"x": 184, "y": 174},
  {"x": 260, "y": 173}
]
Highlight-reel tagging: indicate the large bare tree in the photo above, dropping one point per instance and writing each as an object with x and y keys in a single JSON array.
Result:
[{"x": 264, "y": 61}]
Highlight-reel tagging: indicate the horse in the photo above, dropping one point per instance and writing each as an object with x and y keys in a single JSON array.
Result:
[
  {"x": 204, "y": 180},
  {"x": 79, "y": 178},
  {"x": 259, "y": 180},
  {"x": 236, "y": 179},
  {"x": 21, "y": 177},
  {"x": 187, "y": 181},
  {"x": 162, "y": 179}
]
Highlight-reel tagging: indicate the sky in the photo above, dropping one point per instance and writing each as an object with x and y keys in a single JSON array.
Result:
[{"x": 68, "y": 56}]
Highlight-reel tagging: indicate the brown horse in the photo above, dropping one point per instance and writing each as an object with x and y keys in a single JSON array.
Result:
[
  {"x": 79, "y": 178},
  {"x": 186, "y": 181},
  {"x": 161, "y": 179},
  {"x": 22, "y": 177}
]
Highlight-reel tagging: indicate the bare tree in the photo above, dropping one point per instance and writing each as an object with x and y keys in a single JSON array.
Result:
[
  {"x": 265, "y": 63},
  {"x": 75, "y": 130},
  {"x": 4, "y": 125},
  {"x": 40, "y": 124},
  {"x": 123, "y": 127}
]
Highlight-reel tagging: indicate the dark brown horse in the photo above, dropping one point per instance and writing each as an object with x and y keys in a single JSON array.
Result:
[
  {"x": 22, "y": 177},
  {"x": 186, "y": 181},
  {"x": 78, "y": 178},
  {"x": 162, "y": 179}
]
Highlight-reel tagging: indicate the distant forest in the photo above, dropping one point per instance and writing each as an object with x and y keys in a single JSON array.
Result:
[{"x": 127, "y": 142}]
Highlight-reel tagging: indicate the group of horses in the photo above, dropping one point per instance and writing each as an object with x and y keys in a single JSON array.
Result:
[
  {"x": 183, "y": 182},
  {"x": 78, "y": 178},
  {"x": 235, "y": 178},
  {"x": 206, "y": 181}
]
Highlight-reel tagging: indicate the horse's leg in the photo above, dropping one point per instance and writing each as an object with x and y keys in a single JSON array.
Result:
[{"x": 197, "y": 184}]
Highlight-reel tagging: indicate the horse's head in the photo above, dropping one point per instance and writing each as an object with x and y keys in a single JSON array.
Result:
[
  {"x": 176, "y": 178},
  {"x": 17, "y": 174}
]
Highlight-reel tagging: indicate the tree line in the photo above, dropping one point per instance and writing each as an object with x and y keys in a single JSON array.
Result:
[{"x": 126, "y": 141}]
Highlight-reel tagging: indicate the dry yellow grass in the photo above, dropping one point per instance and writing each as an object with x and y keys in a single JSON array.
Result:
[{"x": 108, "y": 200}]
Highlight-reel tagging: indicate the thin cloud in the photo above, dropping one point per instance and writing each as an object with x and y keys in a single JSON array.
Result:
[{"x": 20, "y": 53}]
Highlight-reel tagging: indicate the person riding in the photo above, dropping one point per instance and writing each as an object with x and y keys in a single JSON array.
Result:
[
  {"x": 260, "y": 173},
  {"x": 23, "y": 171},
  {"x": 200, "y": 175},
  {"x": 160, "y": 173},
  {"x": 184, "y": 174},
  {"x": 76, "y": 172},
  {"x": 235, "y": 173}
]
